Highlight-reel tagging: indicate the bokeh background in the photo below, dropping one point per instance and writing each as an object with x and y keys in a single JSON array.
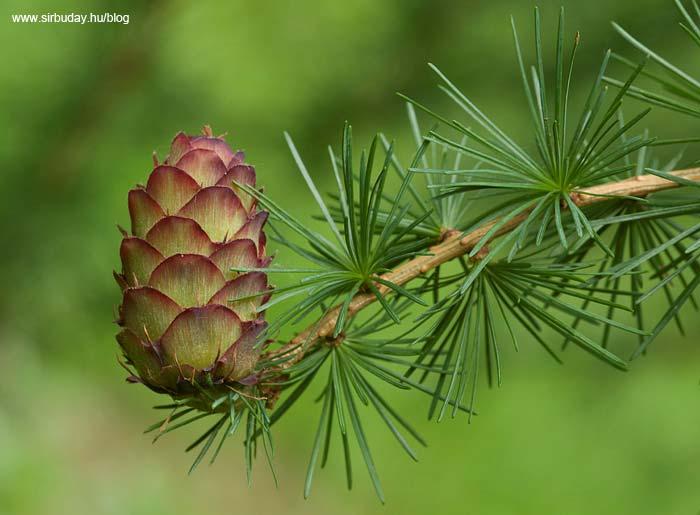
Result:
[{"x": 83, "y": 107}]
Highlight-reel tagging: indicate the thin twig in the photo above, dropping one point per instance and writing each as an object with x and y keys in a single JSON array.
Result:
[{"x": 456, "y": 244}]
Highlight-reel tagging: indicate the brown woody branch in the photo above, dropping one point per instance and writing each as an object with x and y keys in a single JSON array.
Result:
[{"x": 456, "y": 244}]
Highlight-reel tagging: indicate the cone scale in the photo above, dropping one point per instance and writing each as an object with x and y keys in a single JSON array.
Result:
[{"x": 182, "y": 329}]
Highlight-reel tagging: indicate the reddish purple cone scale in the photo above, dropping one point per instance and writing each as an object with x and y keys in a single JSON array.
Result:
[{"x": 190, "y": 225}]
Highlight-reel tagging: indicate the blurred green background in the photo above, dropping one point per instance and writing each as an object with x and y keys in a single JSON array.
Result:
[{"x": 85, "y": 106}]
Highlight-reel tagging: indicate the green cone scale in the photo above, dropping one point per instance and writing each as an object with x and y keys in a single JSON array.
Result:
[{"x": 191, "y": 224}]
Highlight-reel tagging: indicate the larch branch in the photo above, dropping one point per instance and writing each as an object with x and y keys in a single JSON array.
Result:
[{"x": 456, "y": 244}]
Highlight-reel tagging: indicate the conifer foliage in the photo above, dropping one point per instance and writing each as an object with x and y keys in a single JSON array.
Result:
[{"x": 423, "y": 271}]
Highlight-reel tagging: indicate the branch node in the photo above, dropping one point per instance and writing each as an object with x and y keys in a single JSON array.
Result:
[
  {"x": 576, "y": 197},
  {"x": 334, "y": 342},
  {"x": 483, "y": 252},
  {"x": 447, "y": 233}
]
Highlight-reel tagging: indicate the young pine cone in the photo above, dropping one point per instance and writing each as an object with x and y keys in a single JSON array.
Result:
[{"x": 182, "y": 329}]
